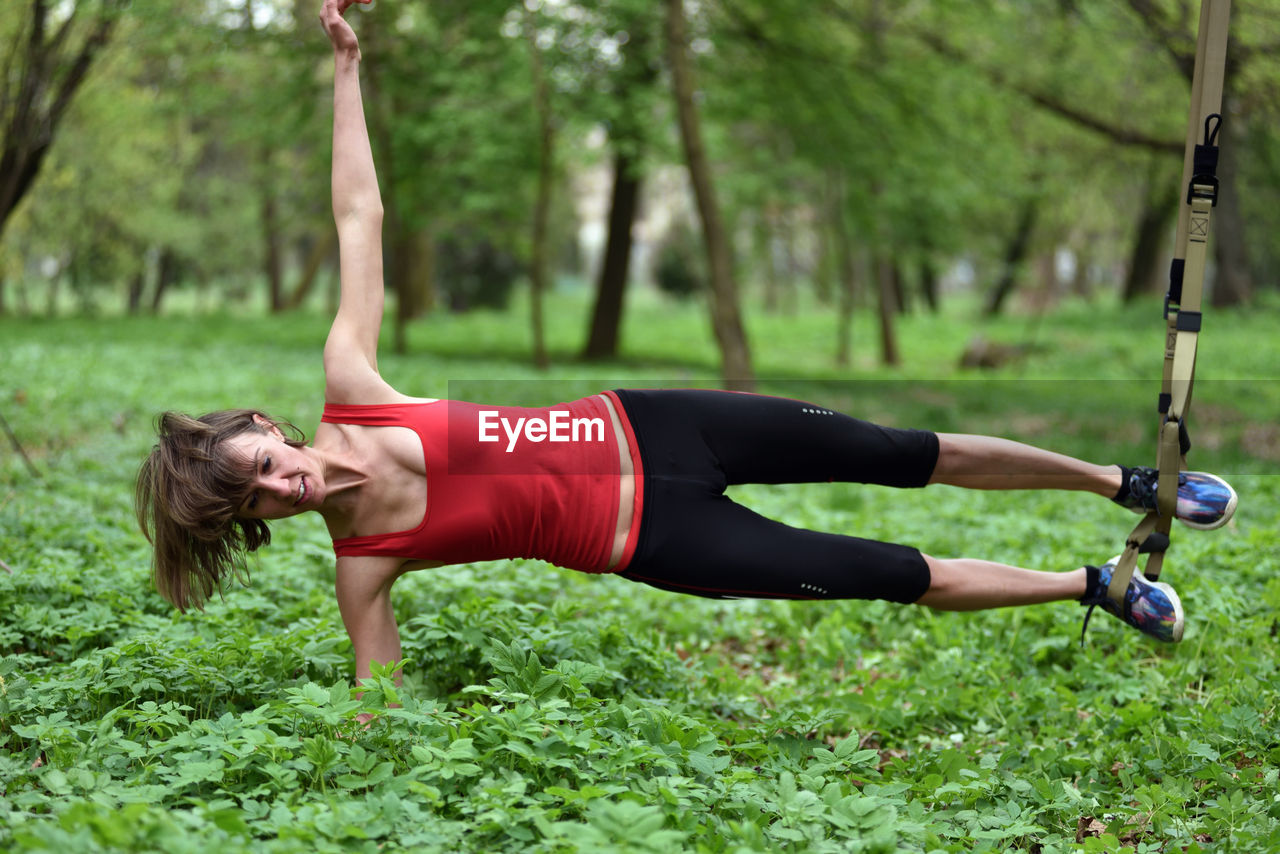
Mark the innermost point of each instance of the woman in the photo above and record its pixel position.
(625, 482)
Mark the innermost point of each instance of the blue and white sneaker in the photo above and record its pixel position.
(1152, 608)
(1205, 501)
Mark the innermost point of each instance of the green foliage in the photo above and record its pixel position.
(545, 710)
(201, 135)
(475, 273)
(680, 269)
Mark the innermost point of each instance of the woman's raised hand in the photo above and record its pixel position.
(335, 26)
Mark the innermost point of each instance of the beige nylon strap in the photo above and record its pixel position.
(1190, 247)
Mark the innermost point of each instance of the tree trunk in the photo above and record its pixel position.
(844, 313)
(410, 266)
(379, 109)
(789, 296)
(606, 317)
(320, 250)
(766, 240)
(847, 277)
(409, 271)
(1159, 208)
(137, 285)
(542, 204)
(628, 131)
(887, 304)
(37, 92)
(166, 274)
(52, 294)
(1046, 291)
(423, 267)
(726, 319)
(929, 284)
(901, 296)
(1081, 283)
(22, 296)
(4, 282)
(1015, 256)
(273, 266)
(396, 275)
(1233, 281)
(778, 239)
(826, 269)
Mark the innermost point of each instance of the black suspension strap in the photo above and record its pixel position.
(1183, 301)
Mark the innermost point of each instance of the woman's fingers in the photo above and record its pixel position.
(336, 8)
(336, 27)
(344, 5)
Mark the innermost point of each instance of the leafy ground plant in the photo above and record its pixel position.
(547, 711)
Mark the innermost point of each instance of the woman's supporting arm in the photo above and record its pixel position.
(363, 590)
(350, 354)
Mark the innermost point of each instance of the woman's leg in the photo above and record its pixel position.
(696, 541)
(968, 584)
(730, 438)
(985, 462)
(744, 438)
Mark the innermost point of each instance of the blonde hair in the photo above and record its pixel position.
(187, 496)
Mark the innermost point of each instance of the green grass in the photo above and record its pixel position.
(546, 710)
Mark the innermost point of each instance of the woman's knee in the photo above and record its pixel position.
(941, 581)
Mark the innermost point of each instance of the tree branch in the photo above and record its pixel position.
(1111, 130)
(60, 37)
(6, 77)
(1123, 136)
(96, 41)
(1166, 34)
(30, 117)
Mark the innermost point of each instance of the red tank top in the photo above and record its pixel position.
(508, 481)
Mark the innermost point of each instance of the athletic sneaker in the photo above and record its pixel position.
(1205, 501)
(1151, 607)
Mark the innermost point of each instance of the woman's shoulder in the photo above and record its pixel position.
(347, 409)
(377, 400)
(375, 392)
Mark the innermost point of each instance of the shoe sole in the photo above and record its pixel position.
(1178, 623)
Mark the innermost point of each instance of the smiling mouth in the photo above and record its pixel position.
(302, 490)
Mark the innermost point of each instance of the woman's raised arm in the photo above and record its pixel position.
(351, 352)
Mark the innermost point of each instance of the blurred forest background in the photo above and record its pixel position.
(866, 155)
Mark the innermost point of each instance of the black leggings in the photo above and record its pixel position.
(695, 539)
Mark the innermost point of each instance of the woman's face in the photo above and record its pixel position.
(286, 480)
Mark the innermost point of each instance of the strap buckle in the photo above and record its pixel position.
(1204, 186)
(1204, 170)
(1173, 296)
